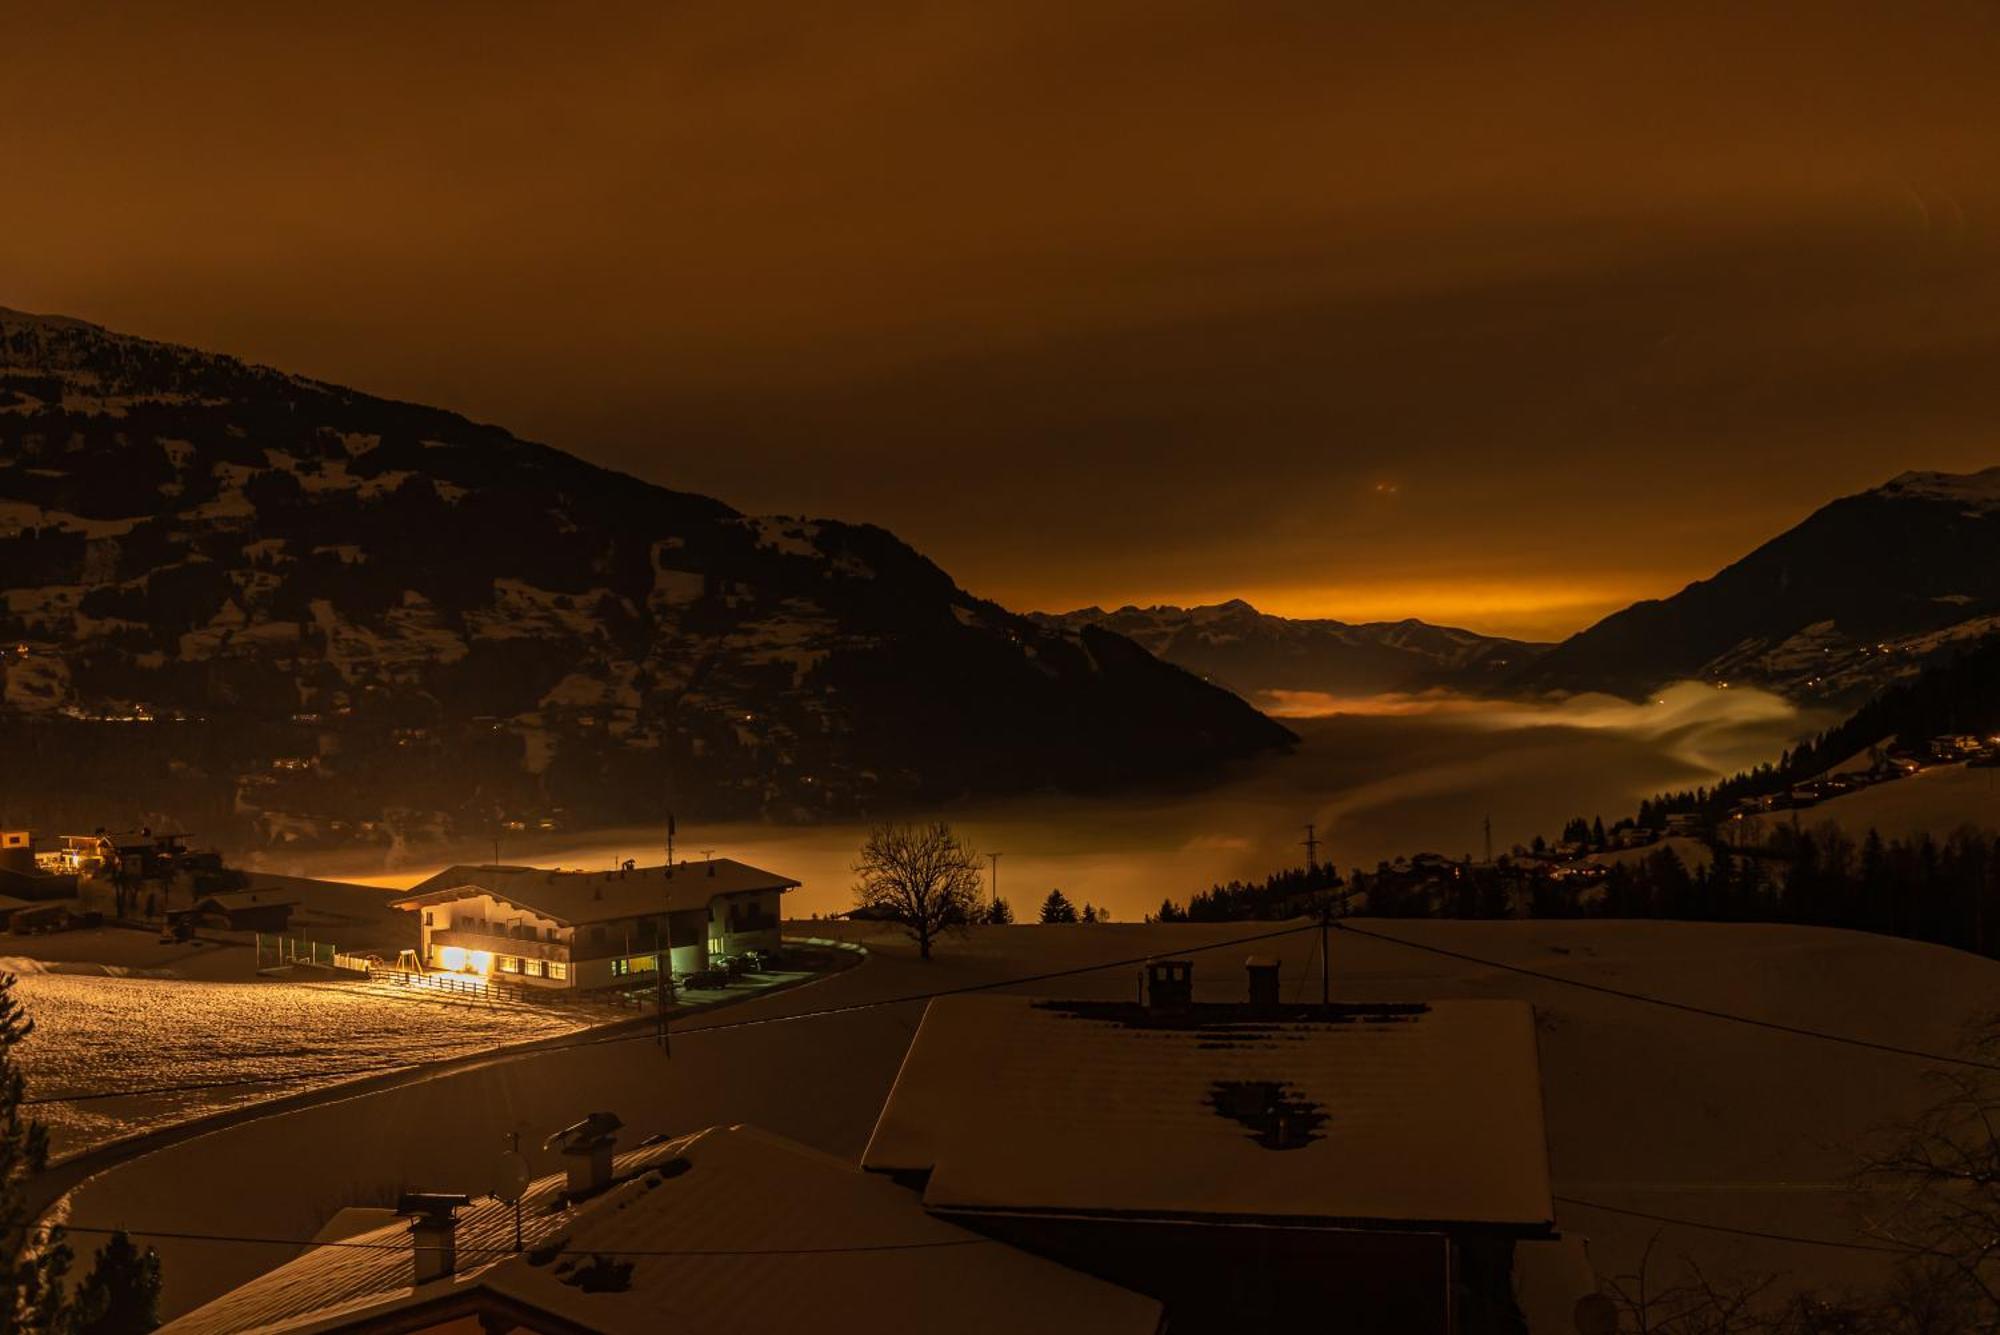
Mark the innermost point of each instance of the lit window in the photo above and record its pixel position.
(427, 919)
(558, 969)
(510, 964)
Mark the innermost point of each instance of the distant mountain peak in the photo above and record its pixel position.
(1858, 594)
(1257, 653)
(1981, 488)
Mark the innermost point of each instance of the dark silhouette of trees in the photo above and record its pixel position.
(121, 1294)
(1057, 908)
(32, 1261)
(1285, 894)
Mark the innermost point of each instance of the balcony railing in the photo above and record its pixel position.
(519, 946)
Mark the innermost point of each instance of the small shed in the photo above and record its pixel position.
(246, 910)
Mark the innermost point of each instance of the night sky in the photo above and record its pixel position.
(1495, 314)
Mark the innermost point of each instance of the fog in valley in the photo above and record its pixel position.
(1379, 778)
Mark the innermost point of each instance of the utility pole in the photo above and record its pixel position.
(1325, 964)
(1311, 842)
(670, 843)
(663, 981)
(993, 882)
(1489, 837)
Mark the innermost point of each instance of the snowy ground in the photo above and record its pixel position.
(1937, 800)
(1649, 1109)
(99, 1035)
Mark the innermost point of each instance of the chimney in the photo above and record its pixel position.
(1263, 971)
(586, 1151)
(433, 1226)
(1169, 986)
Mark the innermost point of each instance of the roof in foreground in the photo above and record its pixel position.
(1387, 1116)
(598, 896)
(728, 1230)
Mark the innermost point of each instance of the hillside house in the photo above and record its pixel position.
(24, 875)
(590, 929)
(1253, 1165)
(730, 1231)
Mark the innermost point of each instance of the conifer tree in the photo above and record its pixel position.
(121, 1294)
(32, 1261)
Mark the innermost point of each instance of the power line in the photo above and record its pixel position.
(242, 1240)
(1763, 1234)
(304, 1078)
(1766, 1235)
(1776, 1026)
(234, 1082)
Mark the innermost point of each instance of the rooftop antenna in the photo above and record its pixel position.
(1489, 837)
(1311, 842)
(670, 843)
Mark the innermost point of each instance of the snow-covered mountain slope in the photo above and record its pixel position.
(1858, 595)
(241, 597)
(1254, 653)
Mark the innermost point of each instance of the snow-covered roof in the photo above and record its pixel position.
(597, 896)
(1398, 1115)
(764, 1235)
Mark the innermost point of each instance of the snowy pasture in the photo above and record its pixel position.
(114, 1037)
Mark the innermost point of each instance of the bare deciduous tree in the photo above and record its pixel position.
(1936, 1192)
(1693, 1304)
(922, 875)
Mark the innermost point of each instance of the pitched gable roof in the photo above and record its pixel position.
(729, 1230)
(1370, 1116)
(573, 897)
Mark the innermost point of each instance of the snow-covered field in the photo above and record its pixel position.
(99, 1035)
(1936, 800)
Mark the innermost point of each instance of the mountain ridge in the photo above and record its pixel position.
(369, 619)
(1856, 596)
(1257, 653)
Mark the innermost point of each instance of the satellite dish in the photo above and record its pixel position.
(510, 1176)
(1595, 1314)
